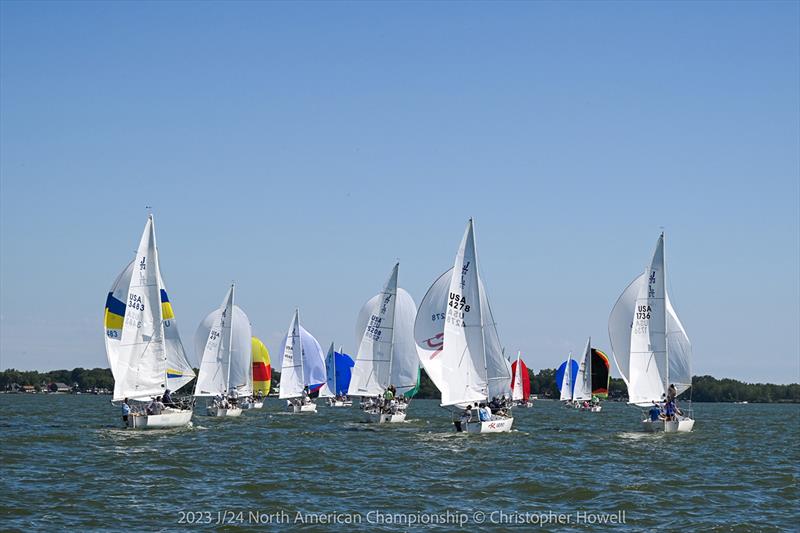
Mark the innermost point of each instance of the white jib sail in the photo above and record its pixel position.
(330, 366)
(679, 350)
(566, 383)
(179, 369)
(583, 381)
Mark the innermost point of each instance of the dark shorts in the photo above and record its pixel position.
(124, 418)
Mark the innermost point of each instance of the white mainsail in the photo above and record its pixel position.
(516, 389)
(566, 383)
(456, 336)
(583, 381)
(224, 340)
(148, 356)
(384, 333)
(650, 346)
(303, 361)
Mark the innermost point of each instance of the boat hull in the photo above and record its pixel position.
(305, 408)
(219, 411)
(340, 403)
(681, 425)
(501, 425)
(384, 418)
(252, 405)
(170, 418)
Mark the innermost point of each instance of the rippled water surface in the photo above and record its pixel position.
(67, 463)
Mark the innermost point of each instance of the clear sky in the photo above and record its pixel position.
(301, 148)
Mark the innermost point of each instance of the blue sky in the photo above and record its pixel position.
(300, 148)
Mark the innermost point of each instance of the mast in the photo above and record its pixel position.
(391, 344)
(666, 320)
(300, 340)
(334, 367)
(230, 341)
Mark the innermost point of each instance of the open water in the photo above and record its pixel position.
(68, 464)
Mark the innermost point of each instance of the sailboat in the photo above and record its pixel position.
(520, 383)
(650, 346)
(303, 366)
(565, 376)
(458, 344)
(143, 345)
(339, 369)
(262, 375)
(386, 358)
(582, 393)
(224, 339)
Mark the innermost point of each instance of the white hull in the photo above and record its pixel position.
(501, 425)
(681, 425)
(384, 418)
(339, 403)
(305, 408)
(592, 409)
(219, 411)
(169, 418)
(252, 405)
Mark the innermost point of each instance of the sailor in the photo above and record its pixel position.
(166, 399)
(669, 410)
(466, 416)
(672, 393)
(233, 396)
(484, 413)
(654, 413)
(126, 410)
(155, 406)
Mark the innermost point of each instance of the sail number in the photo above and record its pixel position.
(643, 312)
(373, 328)
(458, 302)
(135, 302)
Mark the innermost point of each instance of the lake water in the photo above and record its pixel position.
(67, 463)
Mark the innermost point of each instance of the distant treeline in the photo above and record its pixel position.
(543, 384)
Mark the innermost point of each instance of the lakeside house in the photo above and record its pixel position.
(59, 388)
